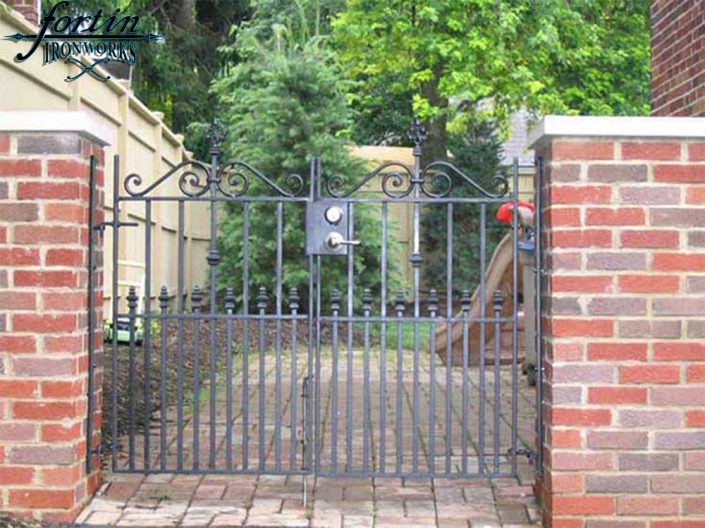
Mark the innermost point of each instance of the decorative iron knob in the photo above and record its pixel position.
(334, 215)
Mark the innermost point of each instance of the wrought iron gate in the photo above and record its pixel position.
(331, 377)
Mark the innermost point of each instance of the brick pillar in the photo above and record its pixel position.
(44, 186)
(28, 8)
(624, 321)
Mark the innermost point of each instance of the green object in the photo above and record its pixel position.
(123, 332)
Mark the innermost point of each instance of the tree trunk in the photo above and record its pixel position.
(184, 15)
(435, 149)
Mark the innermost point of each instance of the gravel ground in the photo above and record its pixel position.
(7, 521)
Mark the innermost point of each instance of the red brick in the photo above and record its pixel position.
(581, 283)
(679, 262)
(69, 168)
(679, 173)
(57, 411)
(678, 524)
(50, 191)
(59, 476)
(695, 195)
(655, 419)
(65, 257)
(615, 216)
(20, 167)
(621, 261)
(694, 461)
(582, 327)
(61, 433)
(621, 440)
(678, 483)
(683, 351)
(651, 150)
(15, 344)
(18, 300)
(695, 373)
(695, 419)
(617, 306)
(45, 279)
(563, 217)
(582, 505)
(570, 194)
(64, 344)
(566, 351)
(66, 212)
(612, 173)
(573, 416)
(14, 475)
(14, 388)
(581, 238)
(17, 256)
(652, 505)
(650, 239)
(567, 483)
(694, 505)
(617, 395)
(19, 212)
(18, 432)
(41, 498)
(581, 461)
(696, 152)
(61, 389)
(45, 366)
(43, 234)
(617, 351)
(565, 438)
(582, 150)
(649, 374)
(649, 283)
(4, 144)
(65, 302)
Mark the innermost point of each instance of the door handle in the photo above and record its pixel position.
(335, 240)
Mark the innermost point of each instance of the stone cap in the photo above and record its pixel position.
(613, 126)
(81, 123)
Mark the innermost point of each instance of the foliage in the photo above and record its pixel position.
(283, 103)
(476, 151)
(583, 57)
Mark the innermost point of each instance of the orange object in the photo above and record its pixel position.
(504, 213)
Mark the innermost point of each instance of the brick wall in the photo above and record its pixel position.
(677, 58)
(43, 323)
(28, 8)
(624, 323)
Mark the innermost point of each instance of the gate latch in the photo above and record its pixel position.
(327, 229)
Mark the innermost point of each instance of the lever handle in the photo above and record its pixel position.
(335, 240)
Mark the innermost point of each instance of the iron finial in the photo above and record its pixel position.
(132, 298)
(196, 297)
(497, 300)
(367, 300)
(418, 133)
(433, 301)
(335, 300)
(262, 298)
(400, 301)
(163, 298)
(294, 299)
(229, 300)
(216, 134)
(465, 300)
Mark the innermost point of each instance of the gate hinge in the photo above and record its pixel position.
(529, 453)
(103, 225)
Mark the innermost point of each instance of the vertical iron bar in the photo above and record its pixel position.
(315, 279)
(317, 397)
(449, 338)
(229, 310)
(114, 300)
(245, 335)
(180, 343)
(497, 357)
(537, 316)
(307, 428)
(278, 343)
(294, 307)
(213, 258)
(132, 307)
(433, 309)
(196, 298)
(482, 348)
(367, 307)
(146, 327)
(416, 264)
(399, 305)
(91, 314)
(465, 303)
(163, 305)
(348, 387)
(383, 346)
(262, 306)
(335, 306)
(515, 312)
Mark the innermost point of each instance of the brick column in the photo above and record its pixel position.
(624, 321)
(44, 189)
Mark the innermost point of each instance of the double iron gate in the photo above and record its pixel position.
(328, 377)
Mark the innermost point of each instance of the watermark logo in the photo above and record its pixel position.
(85, 41)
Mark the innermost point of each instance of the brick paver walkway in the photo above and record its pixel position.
(266, 500)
